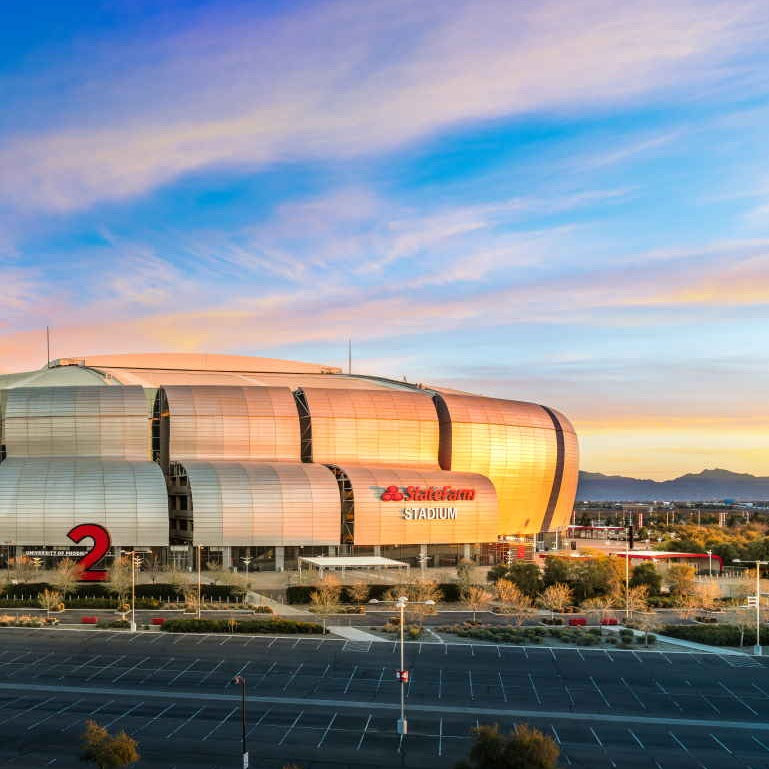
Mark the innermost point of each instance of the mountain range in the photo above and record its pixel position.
(709, 485)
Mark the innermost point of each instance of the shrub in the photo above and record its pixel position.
(274, 625)
(113, 623)
(715, 635)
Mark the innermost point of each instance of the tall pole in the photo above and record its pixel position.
(199, 591)
(402, 724)
(757, 650)
(133, 591)
(627, 584)
(243, 749)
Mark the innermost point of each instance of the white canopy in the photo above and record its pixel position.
(352, 562)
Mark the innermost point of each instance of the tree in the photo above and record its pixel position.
(514, 601)
(555, 598)
(477, 599)
(646, 574)
(523, 748)
(49, 600)
(21, 568)
(325, 597)
(601, 604)
(66, 575)
(522, 573)
(637, 599)
(358, 592)
(557, 570)
(706, 595)
(120, 577)
(464, 574)
(106, 751)
(680, 579)
(648, 621)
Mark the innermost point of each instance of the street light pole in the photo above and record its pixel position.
(244, 752)
(757, 648)
(627, 584)
(135, 561)
(710, 562)
(402, 724)
(199, 590)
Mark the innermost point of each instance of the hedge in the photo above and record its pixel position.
(164, 591)
(299, 594)
(715, 635)
(276, 625)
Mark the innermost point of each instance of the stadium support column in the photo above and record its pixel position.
(466, 551)
(227, 557)
(377, 550)
(280, 558)
(332, 550)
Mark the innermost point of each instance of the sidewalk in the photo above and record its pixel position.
(283, 609)
(354, 634)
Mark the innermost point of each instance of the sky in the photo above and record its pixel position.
(564, 201)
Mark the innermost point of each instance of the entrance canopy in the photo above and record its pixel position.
(322, 562)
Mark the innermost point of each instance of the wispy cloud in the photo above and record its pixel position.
(344, 79)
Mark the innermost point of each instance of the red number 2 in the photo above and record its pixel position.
(100, 547)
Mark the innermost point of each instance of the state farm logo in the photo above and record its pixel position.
(392, 494)
(426, 494)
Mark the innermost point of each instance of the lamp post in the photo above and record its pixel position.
(135, 562)
(199, 590)
(710, 562)
(627, 584)
(244, 752)
(246, 559)
(759, 564)
(403, 674)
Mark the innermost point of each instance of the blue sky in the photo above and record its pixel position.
(565, 202)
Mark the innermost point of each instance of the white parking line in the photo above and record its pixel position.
(440, 738)
(212, 671)
(581, 656)
(267, 672)
(349, 680)
(739, 699)
(90, 715)
(52, 715)
(126, 672)
(105, 667)
(34, 662)
(17, 657)
(635, 737)
(598, 689)
(712, 704)
(713, 736)
(758, 742)
(294, 674)
(501, 686)
(326, 731)
(363, 736)
(381, 678)
(27, 710)
(79, 667)
(534, 689)
(291, 728)
(223, 721)
(634, 695)
(555, 734)
(259, 721)
(181, 673)
(597, 738)
(758, 688)
(552, 654)
(679, 741)
(157, 638)
(154, 718)
(123, 715)
(241, 671)
(184, 723)
(667, 694)
(155, 671)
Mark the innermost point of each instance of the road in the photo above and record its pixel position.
(329, 703)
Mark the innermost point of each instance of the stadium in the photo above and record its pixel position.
(271, 460)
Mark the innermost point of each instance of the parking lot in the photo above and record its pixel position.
(324, 703)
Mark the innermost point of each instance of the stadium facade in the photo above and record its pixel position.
(272, 459)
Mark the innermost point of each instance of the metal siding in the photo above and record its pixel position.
(41, 499)
(220, 422)
(373, 427)
(382, 523)
(77, 422)
(262, 504)
(514, 444)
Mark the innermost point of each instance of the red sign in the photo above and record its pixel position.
(426, 494)
(100, 548)
(402, 676)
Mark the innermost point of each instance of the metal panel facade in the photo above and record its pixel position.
(42, 499)
(256, 503)
(373, 427)
(219, 422)
(77, 422)
(514, 444)
(394, 521)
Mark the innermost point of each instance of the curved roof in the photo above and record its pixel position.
(263, 503)
(41, 499)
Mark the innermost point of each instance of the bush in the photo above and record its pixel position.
(113, 623)
(715, 635)
(274, 625)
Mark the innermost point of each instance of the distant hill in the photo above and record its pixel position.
(709, 485)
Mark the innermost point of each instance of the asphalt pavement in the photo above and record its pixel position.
(324, 703)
